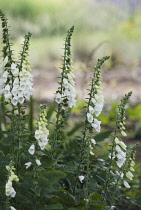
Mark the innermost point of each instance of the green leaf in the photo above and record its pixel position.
(102, 136)
(55, 206)
(66, 198)
(74, 129)
(54, 176)
(96, 201)
(51, 110)
(47, 161)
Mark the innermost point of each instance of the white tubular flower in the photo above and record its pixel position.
(121, 143)
(20, 89)
(98, 109)
(67, 89)
(12, 208)
(7, 96)
(81, 178)
(12, 192)
(58, 98)
(129, 175)
(28, 164)
(126, 184)
(14, 100)
(4, 77)
(91, 110)
(3, 62)
(38, 162)
(93, 141)
(9, 190)
(31, 150)
(13, 177)
(120, 162)
(120, 153)
(90, 117)
(96, 125)
(121, 156)
(113, 156)
(117, 140)
(120, 174)
(15, 70)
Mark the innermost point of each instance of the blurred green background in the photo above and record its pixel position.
(102, 27)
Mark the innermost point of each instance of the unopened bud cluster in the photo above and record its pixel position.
(9, 190)
(96, 100)
(129, 169)
(120, 152)
(121, 114)
(41, 135)
(66, 92)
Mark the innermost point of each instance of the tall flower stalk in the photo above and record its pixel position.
(93, 110)
(16, 87)
(65, 95)
(36, 151)
(118, 152)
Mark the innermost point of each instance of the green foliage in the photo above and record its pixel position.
(61, 172)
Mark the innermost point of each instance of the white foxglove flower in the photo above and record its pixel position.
(117, 140)
(5, 61)
(98, 109)
(31, 150)
(13, 177)
(38, 134)
(121, 143)
(14, 100)
(4, 76)
(21, 99)
(42, 133)
(93, 141)
(38, 162)
(71, 103)
(15, 70)
(16, 81)
(96, 124)
(120, 162)
(81, 178)
(58, 98)
(43, 143)
(91, 110)
(129, 175)
(7, 96)
(90, 117)
(28, 164)
(12, 192)
(113, 156)
(126, 184)
(7, 167)
(120, 174)
(65, 81)
(8, 188)
(12, 208)
(93, 101)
